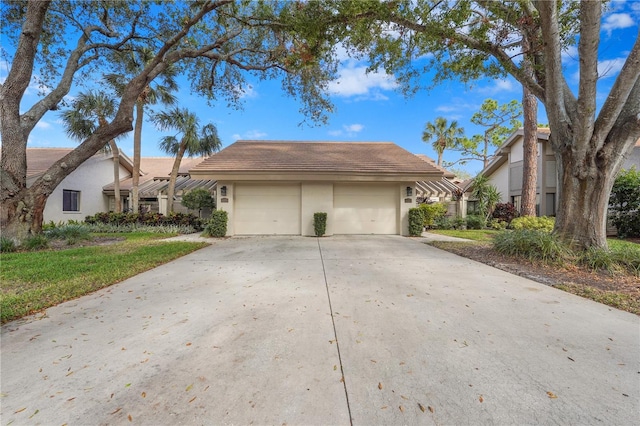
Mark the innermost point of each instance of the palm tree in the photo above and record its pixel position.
(486, 194)
(445, 135)
(90, 110)
(194, 141)
(133, 62)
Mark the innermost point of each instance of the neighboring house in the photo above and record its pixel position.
(506, 170)
(89, 189)
(154, 181)
(275, 187)
(444, 190)
(79, 194)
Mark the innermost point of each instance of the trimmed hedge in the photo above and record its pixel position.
(217, 225)
(543, 223)
(147, 219)
(416, 221)
(320, 223)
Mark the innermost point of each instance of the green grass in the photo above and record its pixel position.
(32, 281)
(482, 235)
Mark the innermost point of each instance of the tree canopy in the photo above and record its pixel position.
(216, 44)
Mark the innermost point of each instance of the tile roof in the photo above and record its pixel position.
(431, 161)
(298, 156)
(40, 159)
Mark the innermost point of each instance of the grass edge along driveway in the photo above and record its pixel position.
(33, 281)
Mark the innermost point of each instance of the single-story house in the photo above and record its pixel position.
(275, 187)
(90, 188)
(505, 171)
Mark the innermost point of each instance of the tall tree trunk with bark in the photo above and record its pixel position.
(116, 175)
(173, 177)
(137, 143)
(530, 143)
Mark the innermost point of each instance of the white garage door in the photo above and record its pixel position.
(364, 209)
(267, 209)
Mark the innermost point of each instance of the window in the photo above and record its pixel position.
(70, 200)
(516, 200)
(550, 204)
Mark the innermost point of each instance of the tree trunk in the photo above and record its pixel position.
(439, 158)
(137, 143)
(116, 175)
(174, 176)
(530, 146)
(583, 203)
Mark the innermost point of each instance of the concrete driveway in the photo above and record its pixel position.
(292, 330)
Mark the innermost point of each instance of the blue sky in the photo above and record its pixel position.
(367, 108)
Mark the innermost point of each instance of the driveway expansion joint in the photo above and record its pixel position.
(335, 334)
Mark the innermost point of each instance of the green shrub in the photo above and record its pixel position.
(432, 212)
(543, 223)
(533, 245)
(416, 220)
(72, 233)
(320, 223)
(7, 245)
(497, 224)
(146, 219)
(217, 225)
(599, 259)
(198, 199)
(475, 222)
(624, 202)
(35, 242)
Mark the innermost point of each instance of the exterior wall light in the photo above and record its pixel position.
(223, 191)
(409, 191)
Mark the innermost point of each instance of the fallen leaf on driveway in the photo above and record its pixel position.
(421, 407)
(189, 387)
(116, 411)
(481, 399)
(380, 386)
(20, 410)
(551, 395)
(430, 409)
(130, 418)
(401, 408)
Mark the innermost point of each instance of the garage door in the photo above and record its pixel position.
(267, 209)
(364, 209)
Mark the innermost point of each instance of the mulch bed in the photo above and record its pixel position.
(545, 274)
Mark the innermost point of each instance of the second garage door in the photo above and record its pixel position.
(267, 209)
(364, 209)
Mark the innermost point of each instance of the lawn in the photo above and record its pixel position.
(33, 281)
(481, 235)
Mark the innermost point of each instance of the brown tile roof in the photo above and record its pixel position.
(431, 161)
(334, 157)
(40, 159)
(156, 167)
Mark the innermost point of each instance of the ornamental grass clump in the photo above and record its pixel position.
(533, 245)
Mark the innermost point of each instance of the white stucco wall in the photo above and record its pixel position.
(516, 153)
(316, 197)
(500, 178)
(88, 178)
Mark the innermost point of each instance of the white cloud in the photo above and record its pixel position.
(499, 86)
(249, 134)
(610, 67)
(355, 81)
(617, 21)
(348, 130)
(43, 125)
(246, 92)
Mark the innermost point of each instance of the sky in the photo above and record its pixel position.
(367, 106)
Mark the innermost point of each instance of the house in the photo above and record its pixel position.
(506, 170)
(80, 193)
(90, 188)
(275, 187)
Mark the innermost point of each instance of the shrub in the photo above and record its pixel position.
(443, 223)
(475, 222)
(624, 202)
(497, 224)
(505, 212)
(543, 223)
(198, 199)
(7, 245)
(599, 259)
(320, 223)
(416, 220)
(533, 245)
(217, 225)
(432, 212)
(71, 233)
(35, 242)
(147, 219)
